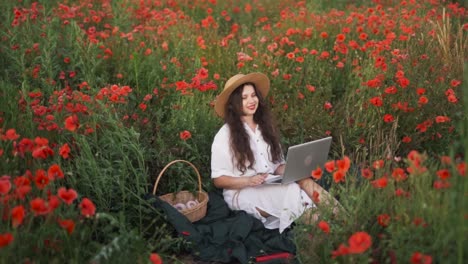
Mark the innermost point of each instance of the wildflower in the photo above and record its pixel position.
(64, 151)
(67, 196)
(184, 135)
(317, 173)
(343, 164)
(39, 206)
(327, 105)
(330, 166)
(17, 215)
(54, 172)
(10, 134)
(5, 185)
(359, 242)
(67, 224)
(438, 184)
(419, 258)
(399, 174)
(388, 118)
(72, 123)
(41, 179)
(342, 250)
(380, 183)
(5, 239)
(316, 197)
(378, 164)
(443, 174)
(383, 220)
(155, 259)
(324, 226)
(461, 167)
(339, 176)
(87, 207)
(406, 139)
(367, 173)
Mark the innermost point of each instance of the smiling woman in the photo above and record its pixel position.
(252, 154)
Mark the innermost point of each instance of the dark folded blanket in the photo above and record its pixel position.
(226, 236)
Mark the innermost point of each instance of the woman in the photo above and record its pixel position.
(247, 149)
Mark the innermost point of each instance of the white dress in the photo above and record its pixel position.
(285, 203)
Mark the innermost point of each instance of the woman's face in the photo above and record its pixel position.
(249, 100)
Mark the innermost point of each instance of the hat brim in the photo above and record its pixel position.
(260, 80)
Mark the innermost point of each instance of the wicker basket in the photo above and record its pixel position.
(194, 213)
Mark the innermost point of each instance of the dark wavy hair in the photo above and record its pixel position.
(239, 142)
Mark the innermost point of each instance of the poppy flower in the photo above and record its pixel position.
(367, 173)
(339, 176)
(343, 164)
(155, 259)
(461, 167)
(341, 251)
(10, 134)
(5, 186)
(5, 239)
(64, 151)
(54, 172)
(359, 242)
(383, 220)
(87, 207)
(41, 179)
(399, 174)
(324, 226)
(17, 215)
(39, 206)
(317, 173)
(388, 118)
(380, 183)
(420, 258)
(330, 166)
(67, 196)
(443, 174)
(184, 135)
(67, 224)
(72, 123)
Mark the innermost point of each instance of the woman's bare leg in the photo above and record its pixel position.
(310, 186)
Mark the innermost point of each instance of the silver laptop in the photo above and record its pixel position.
(301, 160)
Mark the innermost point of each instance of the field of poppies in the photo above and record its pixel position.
(97, 96)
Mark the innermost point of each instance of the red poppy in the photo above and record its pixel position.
(67, 196)
(383, 220)
(41, 179)
(10, 134)
(54, 172)
(5, 239)
(324, 226)
(443, 174)
(17, 215)
(367, 173)
(67, 224)
(388, 118)
(380, 183)
(317, 173)
(420, 258)
(330, 166)
(39, 206)
(359, 242)
(155, 259)
(339, 176)
(377, 101)
(184, 135)
(342, 250)
(87, 207)
(378, 164)
(72, 123)
(461, 167)
(53, 203)
(399, 174)
(406, 139)
(5, 185)
(442, 119)
(343, 164)
(438, 184)
(64, 151)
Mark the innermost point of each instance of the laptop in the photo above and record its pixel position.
(301, 160)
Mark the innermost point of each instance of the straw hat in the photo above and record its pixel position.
(260, 80)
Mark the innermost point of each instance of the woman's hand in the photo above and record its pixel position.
(257, 179)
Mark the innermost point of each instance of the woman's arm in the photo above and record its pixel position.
(280, 169)
(229, 182)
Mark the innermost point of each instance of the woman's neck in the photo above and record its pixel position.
(250, 122)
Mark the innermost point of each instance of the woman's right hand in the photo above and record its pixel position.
(257, 179)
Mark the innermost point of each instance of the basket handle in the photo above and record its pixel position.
(167, 166)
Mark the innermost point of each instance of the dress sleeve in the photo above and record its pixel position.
(221, 156)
